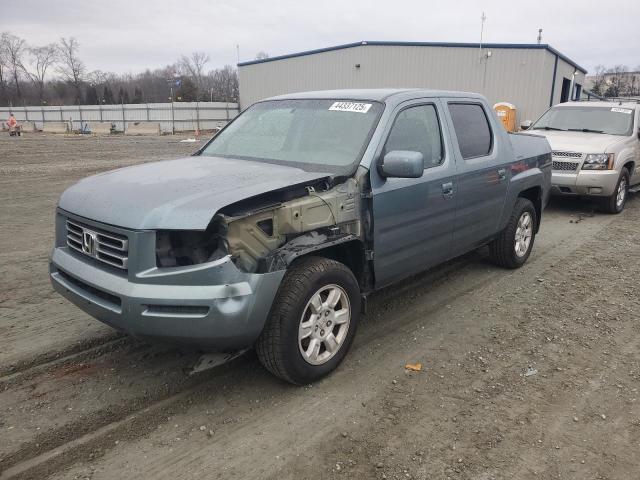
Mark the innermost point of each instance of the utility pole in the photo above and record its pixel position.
(238, 53)
(482, 20)
(173, 118)
(539, 36)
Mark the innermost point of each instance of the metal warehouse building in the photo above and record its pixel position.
(530, 76)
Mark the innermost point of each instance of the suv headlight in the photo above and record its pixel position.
(598, 161)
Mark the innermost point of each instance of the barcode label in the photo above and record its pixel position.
(350, 107)
(622, 110)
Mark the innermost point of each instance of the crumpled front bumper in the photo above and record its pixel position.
(600, 183)
(211, 305)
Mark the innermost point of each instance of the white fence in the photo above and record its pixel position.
(173, 117)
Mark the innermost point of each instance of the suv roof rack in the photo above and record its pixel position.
(619, 100)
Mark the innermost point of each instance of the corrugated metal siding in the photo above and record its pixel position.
(565, 70)
(518, 76)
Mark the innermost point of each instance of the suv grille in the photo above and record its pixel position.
(565, 166)
(567, 154)
(109, 248)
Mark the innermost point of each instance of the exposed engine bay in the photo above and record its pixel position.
(262, 233)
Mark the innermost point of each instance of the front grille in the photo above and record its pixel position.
(86, 288)
(567, 154)
(565, 166)
(107, 247)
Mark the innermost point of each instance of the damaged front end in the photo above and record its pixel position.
(267, 233)
(212, 287)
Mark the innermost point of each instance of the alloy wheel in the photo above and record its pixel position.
(324, 324)
(524, 232)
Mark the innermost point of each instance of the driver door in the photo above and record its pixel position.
(414, 217)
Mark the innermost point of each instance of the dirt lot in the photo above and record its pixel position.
(527, 374)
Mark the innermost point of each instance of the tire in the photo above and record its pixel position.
(281, 348)
(509, 251)
(615, 203)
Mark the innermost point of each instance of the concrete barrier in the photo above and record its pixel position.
(27, 127)
(99, 128)
(55, 127)
(143, 128)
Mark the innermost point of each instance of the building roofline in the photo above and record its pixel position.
(525, 46)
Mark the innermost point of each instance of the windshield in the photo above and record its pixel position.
(314, 135)
(609, 120)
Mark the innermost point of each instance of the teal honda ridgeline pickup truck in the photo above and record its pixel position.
(273, 233)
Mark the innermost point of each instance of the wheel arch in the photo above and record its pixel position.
(534, 194)
(351, 253)
(348, 250)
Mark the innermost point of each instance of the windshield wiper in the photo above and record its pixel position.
(549, 128)
(588, 130)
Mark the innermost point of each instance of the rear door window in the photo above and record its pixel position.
(472, 129)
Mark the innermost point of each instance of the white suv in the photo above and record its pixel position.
(596, 149)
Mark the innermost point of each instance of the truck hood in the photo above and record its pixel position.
(181, 194)
(583, 142)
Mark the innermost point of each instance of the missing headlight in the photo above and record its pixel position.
(178, 248)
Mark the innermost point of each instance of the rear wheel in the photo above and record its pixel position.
(514, 244)
(616, 202)
(312, 322)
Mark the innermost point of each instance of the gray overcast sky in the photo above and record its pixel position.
(131, 35)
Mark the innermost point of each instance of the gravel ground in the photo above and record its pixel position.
(526, 374)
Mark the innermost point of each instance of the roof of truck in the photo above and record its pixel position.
(374, 94)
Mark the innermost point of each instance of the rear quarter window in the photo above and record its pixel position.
(472, 129)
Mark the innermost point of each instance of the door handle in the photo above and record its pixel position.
(502, 173)
(447, 189)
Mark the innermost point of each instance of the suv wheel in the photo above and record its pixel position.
(513, 246)
(312, 322)
(616, 202)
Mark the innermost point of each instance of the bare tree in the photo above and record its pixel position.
(225, 83)
(193, 67)
(617, 81)
(70, 66)
(3, 70)
(598, 87)
(40, 60)
(262, 55)
(14, 48)
(97, 77)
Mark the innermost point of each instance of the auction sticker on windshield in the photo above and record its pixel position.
(622, 110)
(350, 107)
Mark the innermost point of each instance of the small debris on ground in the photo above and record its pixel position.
(414, 367)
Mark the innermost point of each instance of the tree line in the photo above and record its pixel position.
(55, 74)
(616, 81)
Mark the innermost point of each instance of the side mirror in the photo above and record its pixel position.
(402, 164)
(526, 125)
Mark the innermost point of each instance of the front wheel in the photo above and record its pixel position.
(313, 321)
(514, 244)
(616, 202)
